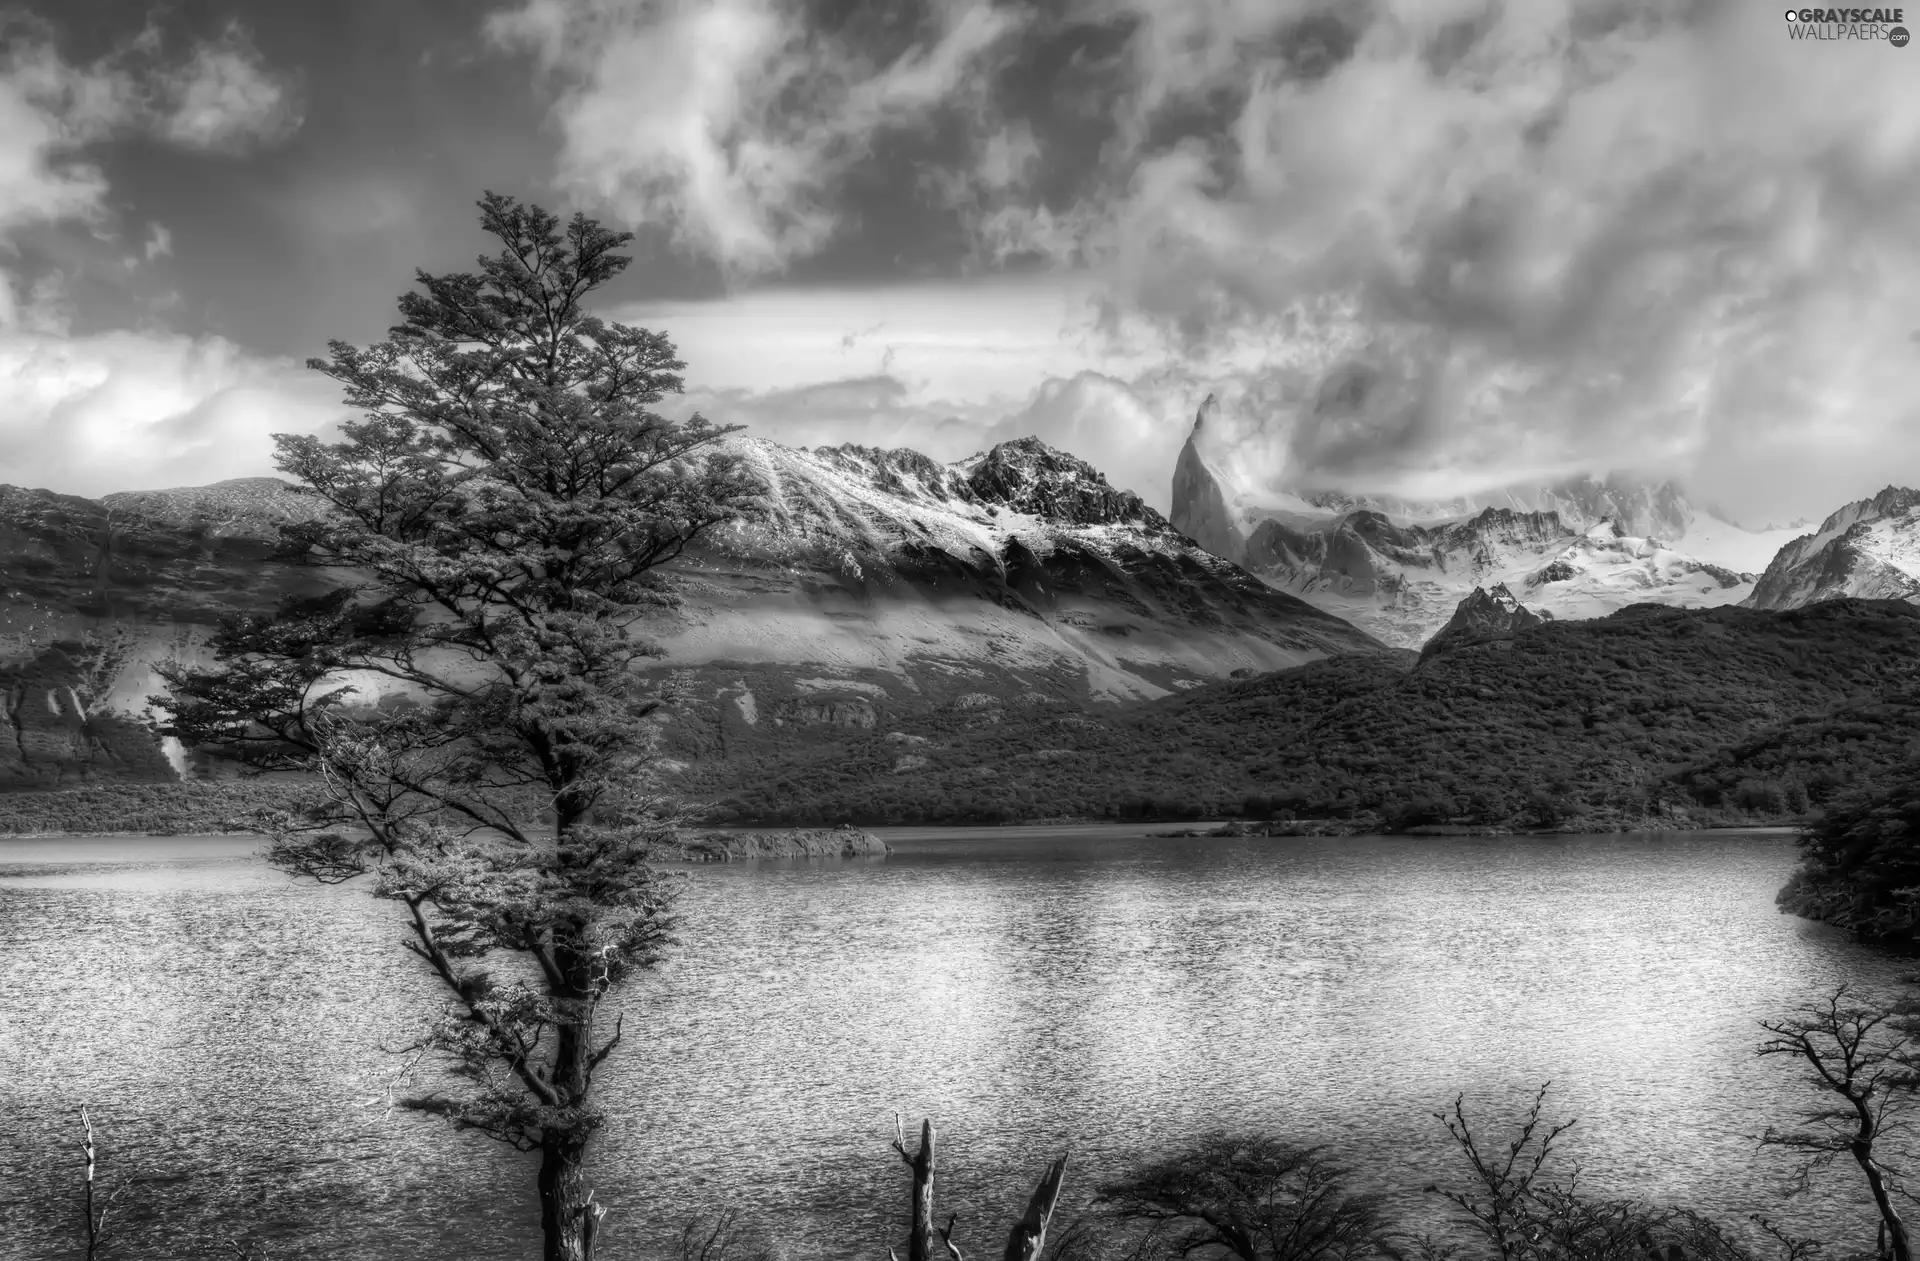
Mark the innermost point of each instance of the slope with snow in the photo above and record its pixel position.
(1019, 569)
(1869, 549)
(1581, 547)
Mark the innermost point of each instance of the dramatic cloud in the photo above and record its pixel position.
(1420, 246)
(732, 120)
(1412, 246)
(1490, 241)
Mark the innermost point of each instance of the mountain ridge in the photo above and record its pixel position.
(1578, 547)
(1017, 571)
(1868, 549)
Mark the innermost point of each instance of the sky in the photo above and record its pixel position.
(1414, 246)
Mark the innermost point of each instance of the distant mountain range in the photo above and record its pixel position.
(1019, 573)
(886, 596)
(1577, 548)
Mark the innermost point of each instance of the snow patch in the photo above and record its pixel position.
(748, 708)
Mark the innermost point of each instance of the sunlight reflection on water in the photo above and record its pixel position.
(1030, 990)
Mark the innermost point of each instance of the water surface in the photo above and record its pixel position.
(1031, 989)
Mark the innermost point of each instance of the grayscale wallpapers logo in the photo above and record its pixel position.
(1870, 24)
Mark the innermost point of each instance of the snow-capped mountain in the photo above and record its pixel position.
(1869, 549)
(1398, 568)
(1019, 567)
(877, 578)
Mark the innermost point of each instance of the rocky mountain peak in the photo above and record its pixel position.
(1029, 476)
(1200, 507)
(1486, 614)
(1894, 500)
(1869, 549)
(901, 471)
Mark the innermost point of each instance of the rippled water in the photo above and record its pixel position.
(1030, 989)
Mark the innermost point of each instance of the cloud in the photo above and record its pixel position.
(117, 410)
(874, 411)
(124, 410)
(1415, 246)
(225, 99)
(732, 121)
(159, 242)
(49, 110)
(1126, 428)
(985, 339)
(1490, 241)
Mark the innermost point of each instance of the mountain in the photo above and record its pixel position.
(1869, 549)
(1402, 583)
(1483, 617)
(877, 579)
(1576, 548)
(93, 592)
(1648, 717)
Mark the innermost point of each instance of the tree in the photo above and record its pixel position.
(1506, 1181)
(1525, 1217)
(1860, 866)
(1861, 1062)
(94, 1208)
(1252, 1198)
(504, 502)
(1027, 1239)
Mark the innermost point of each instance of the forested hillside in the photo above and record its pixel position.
(1652, 715)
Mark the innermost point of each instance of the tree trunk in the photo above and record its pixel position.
(1890, 1219)
(920, 1239)
(564, 1207)
(567, 1214)
(1029, 1235)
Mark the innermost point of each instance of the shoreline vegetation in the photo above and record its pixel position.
(229, 807)
(232, 808)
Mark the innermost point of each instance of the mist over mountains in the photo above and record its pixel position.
(1576, 547)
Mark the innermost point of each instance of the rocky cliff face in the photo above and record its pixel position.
(1028, 476)
(1869, 549)
(58, 734)
(1200, 507)
(877, 580)
(94, 592)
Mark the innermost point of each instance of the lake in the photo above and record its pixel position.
(1030, 989)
